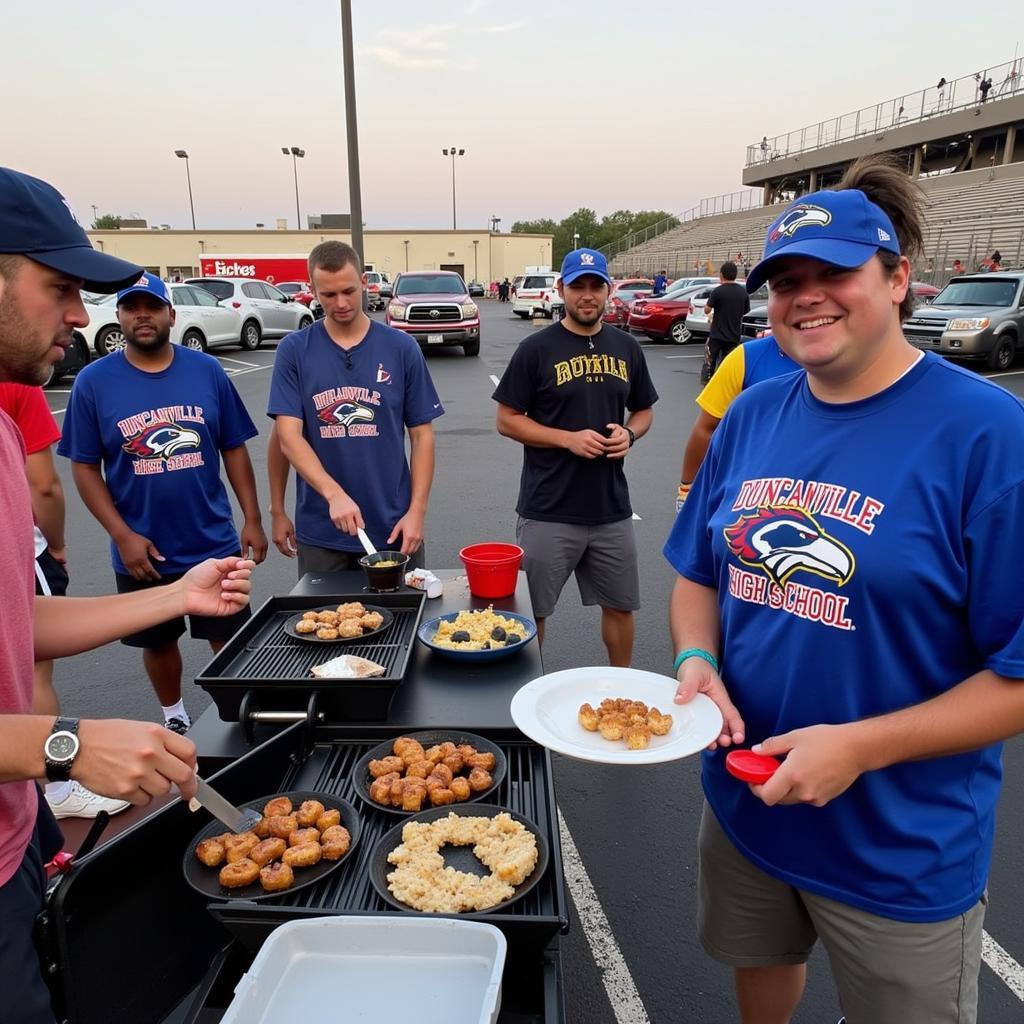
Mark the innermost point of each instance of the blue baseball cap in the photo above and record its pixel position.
(584, 261)
(843, 228)
(149, 284)
(37, 221)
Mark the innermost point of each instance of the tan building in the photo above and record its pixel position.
(477, 255)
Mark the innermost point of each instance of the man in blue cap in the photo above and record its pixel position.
(45, 259)
(146, 430)
(565, 396)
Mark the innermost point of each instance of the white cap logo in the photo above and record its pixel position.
(586, 259)
(884, 236)
(72, 212)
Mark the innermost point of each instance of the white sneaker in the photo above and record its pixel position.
(84, 803)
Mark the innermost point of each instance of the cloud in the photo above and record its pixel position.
(399, 59)
(513, 26)
(429, 37)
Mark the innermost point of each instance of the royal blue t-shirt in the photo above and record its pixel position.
(863, 556)
(763, 360)
(159, 437)
(354, 409)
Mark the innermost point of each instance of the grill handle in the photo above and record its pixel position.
(282, 716)
(251, 715)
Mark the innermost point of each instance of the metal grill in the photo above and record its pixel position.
(425, 314)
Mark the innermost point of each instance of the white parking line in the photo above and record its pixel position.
(618, 982)
(691, 355)
(57, 412)
(228, 359)
(494, 380)
(1008, 373)
(637, 518)
(1005, 967)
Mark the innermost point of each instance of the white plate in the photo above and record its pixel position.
(547, 710)
(435, 339)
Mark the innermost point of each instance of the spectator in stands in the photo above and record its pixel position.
(660, 281)
(984, 86)
(876, 831)
(996, 258)
(942, 90)
(764, 148)
(726, 307)
(958, 267)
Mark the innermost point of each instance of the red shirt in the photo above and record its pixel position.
(27, 406)
(18, 802)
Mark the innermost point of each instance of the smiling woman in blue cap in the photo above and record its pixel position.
(847, 597)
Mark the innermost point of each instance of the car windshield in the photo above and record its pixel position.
(538, 281)
(291, 287)
(977, 293)
(430, 284)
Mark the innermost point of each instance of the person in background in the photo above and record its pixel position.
(660, 281)
(958, 267)
(726, 307)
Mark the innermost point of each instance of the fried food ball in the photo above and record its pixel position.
(447, 749)
(238, 847)
(612, 726)
(335, 842)
(303, 856)
(283, 825)
(466, 750)
(441, 795)
(380, 792)
(268, 850)
(351, 610)
(454, 763)
(305, 626)
(372, 620)
(262, 828)
(443, 773)
(411, 752)
(414, 792)
(386, 765)
(309, 812)
(327, 618)
(658, 723)
(419, 769)
(328, 818)
(637, 737)
(279, 805)
(327, 633)
(486, 761)
(479, 780)
(461, 788)
(304, 835)
(348, 629)
(310, 616)
(589, 718)
(276, 877)
(434, 754)
(211, 852)
(239, 873)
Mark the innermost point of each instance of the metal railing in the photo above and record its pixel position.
(959, 94)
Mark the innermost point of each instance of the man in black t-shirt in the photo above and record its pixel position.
(726, 306)
(564, 397)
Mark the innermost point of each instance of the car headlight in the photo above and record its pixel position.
(469, 310)
(396, 311)
(974, 323)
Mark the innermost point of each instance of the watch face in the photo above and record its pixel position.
(62, 746)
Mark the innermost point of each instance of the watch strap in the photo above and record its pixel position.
(61, 724)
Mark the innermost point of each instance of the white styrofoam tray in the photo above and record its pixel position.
(427, 970)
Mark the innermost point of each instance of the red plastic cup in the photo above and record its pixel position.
(750, 767)
(492, 569)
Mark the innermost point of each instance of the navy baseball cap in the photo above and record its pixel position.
(584, 261)
(843, 228)
(148, 284)
(37, 221)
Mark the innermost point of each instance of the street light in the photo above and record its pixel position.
(495, 221)
(295, 152)
(476, 275)
(182, 155)
(453, 153)
(406, 244)
(575, 239)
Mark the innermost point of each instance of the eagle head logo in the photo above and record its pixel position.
(800, 216)
(161, 439)
(345, 413)
(784, 540)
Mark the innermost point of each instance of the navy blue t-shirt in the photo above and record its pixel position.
(354, 409)
(159, 437)
(863, 556)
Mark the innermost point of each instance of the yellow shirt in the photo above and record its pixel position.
(726, 383)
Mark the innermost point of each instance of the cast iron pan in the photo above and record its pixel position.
(205, 880)
(312, 638)
(461, 858)
(361, 777)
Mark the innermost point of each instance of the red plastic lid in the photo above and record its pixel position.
(751, 767)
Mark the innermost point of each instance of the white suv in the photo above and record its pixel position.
(537, 292)
(265, 310)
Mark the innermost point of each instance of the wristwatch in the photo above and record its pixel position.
(61, 749)
(632, 436)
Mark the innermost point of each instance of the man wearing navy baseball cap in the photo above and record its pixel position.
(565, 397)
(45, 258)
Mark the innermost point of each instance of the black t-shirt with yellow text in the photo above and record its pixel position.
(563, 380)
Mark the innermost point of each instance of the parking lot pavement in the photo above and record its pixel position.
(633, 829)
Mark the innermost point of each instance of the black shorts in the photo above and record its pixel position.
(201, 627)
(51, 576)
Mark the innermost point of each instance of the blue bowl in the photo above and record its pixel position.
(429, 628)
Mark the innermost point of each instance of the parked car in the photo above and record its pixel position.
(387, 289)
(374, 299)
(663, 317)
(924, 293)
(973, 317)
(476, 289)
(299, 291)
(435, 308)
(76, 355)
(265, 310)
(536, 294)
(621, 296)
(700, 324)
(200, 322)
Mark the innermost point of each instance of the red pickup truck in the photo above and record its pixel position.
(434, 306)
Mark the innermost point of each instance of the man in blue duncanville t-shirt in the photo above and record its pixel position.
(146, 429)
(344, 392)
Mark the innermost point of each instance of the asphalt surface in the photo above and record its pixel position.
(635, 828)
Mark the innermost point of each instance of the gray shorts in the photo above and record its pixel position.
(603, 558)
(886, 972)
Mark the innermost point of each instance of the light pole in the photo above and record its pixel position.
(295, 152)
(453, 153)
(575, 239)
(95, 214)
(182, 155)
(495, 221)
(476, 243)
(406, 244)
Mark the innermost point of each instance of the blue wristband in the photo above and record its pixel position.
(695, 652)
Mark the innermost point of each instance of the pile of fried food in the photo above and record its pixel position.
(413, 777)
(422, 881)
(346, 622)
(282, 841)
(618, 718)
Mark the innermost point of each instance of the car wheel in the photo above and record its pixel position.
(110, 339)
(1001, 356)
(305, 322)
(472, 348)
(520, 313)
(679, 333)
(194, 340)
(252, 336)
